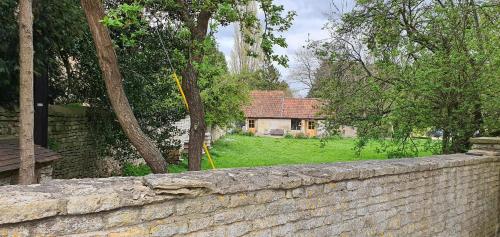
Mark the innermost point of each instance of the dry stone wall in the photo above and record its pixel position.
(69, 135)
(449, 195)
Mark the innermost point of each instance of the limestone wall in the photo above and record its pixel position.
(69, 135)
(450, 195)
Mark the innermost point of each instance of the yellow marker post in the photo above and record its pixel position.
(205, 147)
(209, 156)
(178, 82)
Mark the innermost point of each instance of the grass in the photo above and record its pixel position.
(245, 151)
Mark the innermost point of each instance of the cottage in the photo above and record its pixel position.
(272, 113)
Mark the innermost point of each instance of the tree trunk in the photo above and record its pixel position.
(108, 62)
(197, 115)
(445, 143)
(190, 87)
(26, 116)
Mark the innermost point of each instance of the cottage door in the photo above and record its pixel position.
(252, 127)
(311, 128)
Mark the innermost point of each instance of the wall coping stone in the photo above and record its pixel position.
(489, 146)
(485, 140)
(83, 196)
(61, 110)
(64, 110)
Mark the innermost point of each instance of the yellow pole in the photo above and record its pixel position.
(205, 147)
(178, 82)
(209, 156)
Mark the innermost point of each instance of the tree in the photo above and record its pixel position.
(304, 70)
(267, 78)
(60, 26)
(223, 94)
(26, 115)
(247, 55)
(191, 21)
(116, 94)
(412, 66)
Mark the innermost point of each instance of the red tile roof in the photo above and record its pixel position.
(274, 104)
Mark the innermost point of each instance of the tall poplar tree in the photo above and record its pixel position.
(247, 55)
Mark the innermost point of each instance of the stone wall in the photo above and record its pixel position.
(9, 122)
(43, 174)
(449, 195)
(69, 135)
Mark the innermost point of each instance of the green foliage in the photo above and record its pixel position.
(182, 18)
(288, 136)
(144, 77)
(247, 134)
(394, 69)
(264, 79)
(182, 167)
(127, 23)
(223, 101)
(63, 45)
(130, 169)
(53, 145)
(9, 68)
(58, 26)
(223, 94)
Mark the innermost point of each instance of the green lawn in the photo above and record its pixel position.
(245, 151)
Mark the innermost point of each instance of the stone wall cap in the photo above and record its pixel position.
(67, 110)
(485, 140)
(83, 196)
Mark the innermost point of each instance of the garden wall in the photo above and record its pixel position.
(69, 135)
(449, 195)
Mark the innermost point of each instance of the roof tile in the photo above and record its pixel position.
(274, 104)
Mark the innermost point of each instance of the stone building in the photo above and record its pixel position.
(272, 113)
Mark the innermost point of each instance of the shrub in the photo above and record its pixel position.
(130, 169)
(249, 134)
(289, 136)
(301, 136)
(236, 130)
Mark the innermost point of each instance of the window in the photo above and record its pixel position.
(296, 124)
(251, 123)
(311, 125)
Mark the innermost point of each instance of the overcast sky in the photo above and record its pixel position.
(311, 17)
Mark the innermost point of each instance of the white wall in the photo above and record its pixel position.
(212, 134)
(264, 126)
(183, 125)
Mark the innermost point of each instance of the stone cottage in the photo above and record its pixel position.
(272, 113)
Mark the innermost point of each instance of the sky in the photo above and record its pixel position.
(312, 15)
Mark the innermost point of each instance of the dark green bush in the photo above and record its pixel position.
(130, 169)
(289, 136)
(248, 134)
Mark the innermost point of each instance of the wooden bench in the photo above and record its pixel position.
(277, 132)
